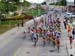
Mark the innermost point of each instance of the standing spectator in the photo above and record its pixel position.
(24, 34)
(29, 29)
(18, 25)
(64, 24)
(22, 24)
(70, 39)
(73, 33)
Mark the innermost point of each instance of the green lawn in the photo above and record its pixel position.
(35, 12)
(4, 28)
(11, 22)
(7, 25)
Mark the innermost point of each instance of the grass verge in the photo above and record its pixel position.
(7, 25)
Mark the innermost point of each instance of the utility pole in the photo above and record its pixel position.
(74, 2)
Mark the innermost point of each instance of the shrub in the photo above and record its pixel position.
(19, 17)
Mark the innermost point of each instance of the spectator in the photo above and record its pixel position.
(73, 33)
(70, 39)
(22, 23)
(64, 24)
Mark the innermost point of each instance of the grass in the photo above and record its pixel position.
(12, 22)
(4, 28)
(7, 25)
(35, 12)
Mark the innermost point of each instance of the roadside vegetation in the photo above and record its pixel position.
(8, 22)
(60, 3)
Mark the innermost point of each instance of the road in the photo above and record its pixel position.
(17, 46)
(13, 43)
(29, 50)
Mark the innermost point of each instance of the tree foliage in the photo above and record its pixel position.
(60, 3)
(6, 7)
(26, 4)
(63, 2)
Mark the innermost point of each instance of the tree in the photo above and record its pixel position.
(60, 3)
(64, 3)
(17, 1)
(5, 7)
(26, 4)
(14, 0)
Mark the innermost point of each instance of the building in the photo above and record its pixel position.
(70, 6)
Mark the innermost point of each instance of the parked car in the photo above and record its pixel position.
(73, 15)
(69, 15)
